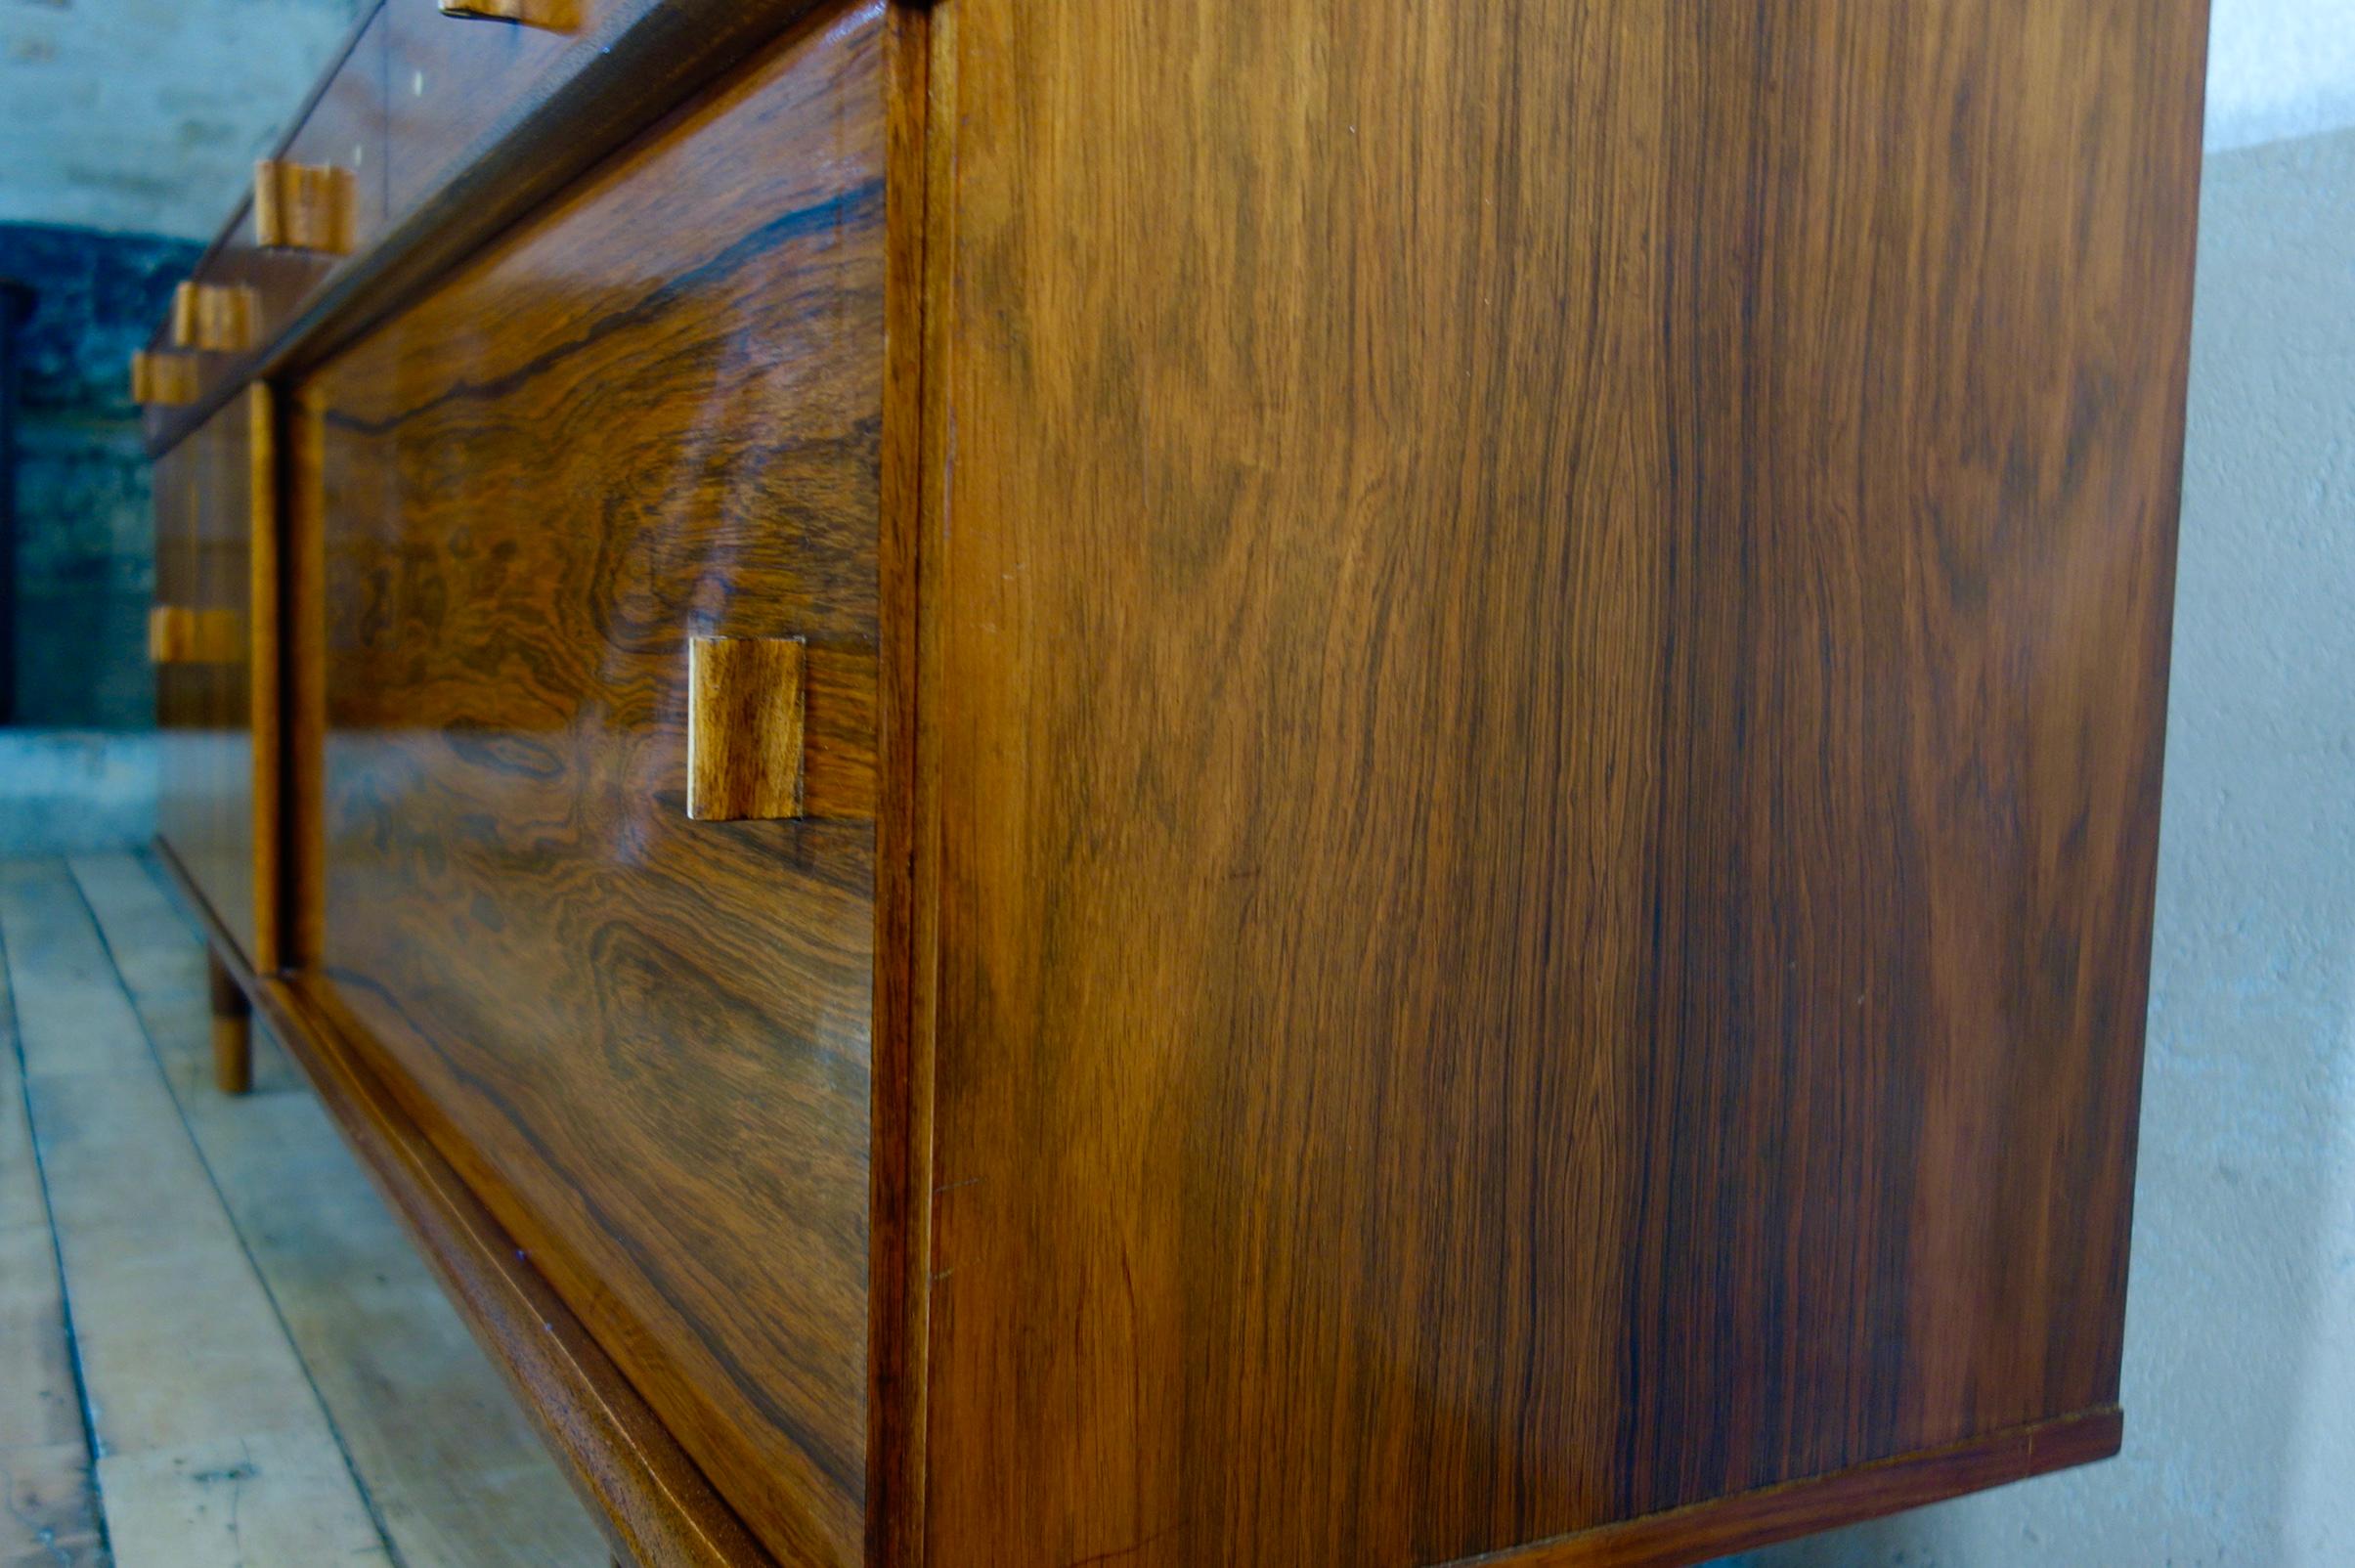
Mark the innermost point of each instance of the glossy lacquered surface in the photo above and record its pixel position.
(1550, 629)
(450, 79)
(345, 131)
(649, 413)
(342, 128)
(437, 132)
(1477, 773)
(171, 639)
(216, 692)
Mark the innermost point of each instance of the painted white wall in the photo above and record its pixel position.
(2279, 69)
(144, 116)
(63, 791)
(2240, 1370)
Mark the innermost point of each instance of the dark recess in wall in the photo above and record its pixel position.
(15, 300)
(82, 550)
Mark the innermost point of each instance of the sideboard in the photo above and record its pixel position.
(1191, 783)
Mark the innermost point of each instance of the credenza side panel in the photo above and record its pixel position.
(649, 413)
(1552, 644)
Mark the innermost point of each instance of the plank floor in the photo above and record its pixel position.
(216, 1345)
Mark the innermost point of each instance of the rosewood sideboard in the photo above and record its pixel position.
(1210, 783)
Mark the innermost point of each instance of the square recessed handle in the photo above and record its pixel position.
(171, 634)
(746, 698)
(164, 380)
(302, 206)
(217, 317)
(556, 15)
(180, 633)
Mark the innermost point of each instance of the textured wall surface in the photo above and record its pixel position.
(61, 792)
(2278, 69)
(2239, 1375)
(85, 533)
(127, 128)
(144, 116)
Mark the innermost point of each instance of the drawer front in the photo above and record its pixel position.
(648, 416)
(267, 287)
(451, 78)
(344, 131)
(217, 671)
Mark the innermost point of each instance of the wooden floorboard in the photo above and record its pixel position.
(217, 1346)
(48, 1503)
(212, 1447)
(454, 1470)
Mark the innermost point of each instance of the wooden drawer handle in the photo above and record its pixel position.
(218, 317)
(746, 701)
(779, 727)
(180, 634)
(171, 634)
(166, 380)
(556, 15)
(302, 206)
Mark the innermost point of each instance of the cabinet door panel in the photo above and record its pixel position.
(649, 415)
(179, 697)
(217, 692)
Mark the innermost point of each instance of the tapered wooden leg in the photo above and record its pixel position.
(232, 1029)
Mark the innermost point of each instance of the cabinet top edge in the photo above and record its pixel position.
(616, 77)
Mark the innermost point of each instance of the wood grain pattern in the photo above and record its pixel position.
(1748, 1520)
(216, 316)
(171, 634)
(344, 128)
(632, 62)
(833, 738)
(1620, 983)
(265, 741)
(744, 729)
(181, 323)
(913, 447)
(164, 380)
(310, 491)
(179, 707)
(643, 1041)
(345, 125)
(838, 732)
(217, 700)
(341, 123)
(176, 389)
(220, 635)
(652, 1501)
(1511, 866)
(303, 206)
